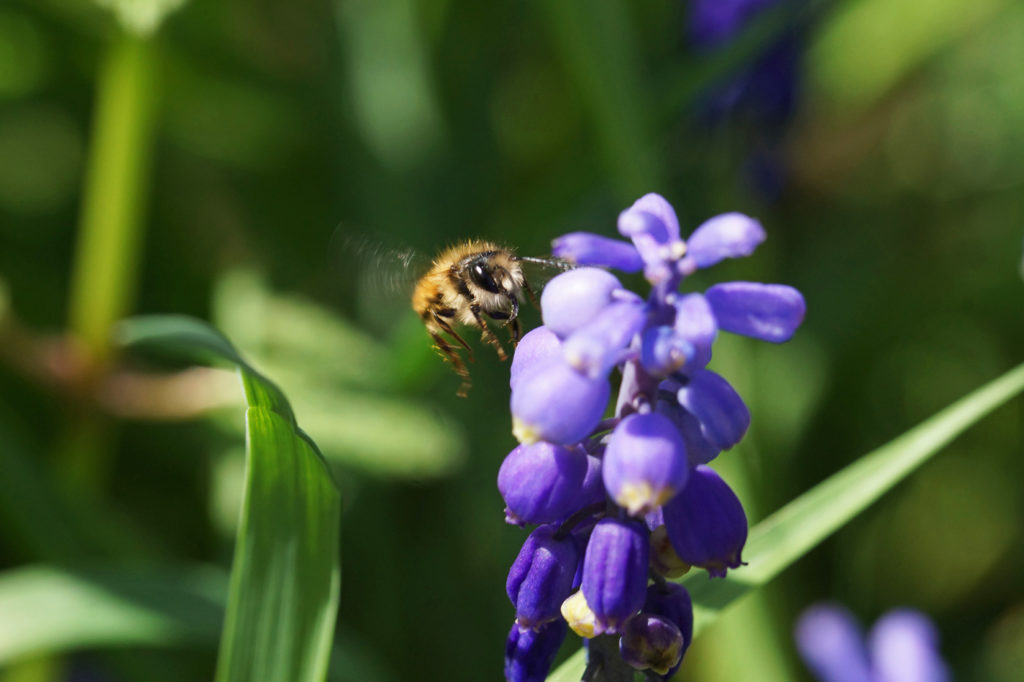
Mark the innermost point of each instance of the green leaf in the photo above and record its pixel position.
(794, 530)
(285, 576)
(51, 610)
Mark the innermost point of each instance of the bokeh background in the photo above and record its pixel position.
(257, 164)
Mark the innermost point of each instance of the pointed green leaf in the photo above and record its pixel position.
(285, 577)
(794, 530)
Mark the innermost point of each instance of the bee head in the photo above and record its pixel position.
(486, 275)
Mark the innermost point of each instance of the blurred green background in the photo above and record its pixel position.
(220, 164)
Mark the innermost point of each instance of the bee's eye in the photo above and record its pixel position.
(481, 277)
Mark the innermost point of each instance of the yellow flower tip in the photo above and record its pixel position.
(640, 497)
(578, 615)
(523, 432)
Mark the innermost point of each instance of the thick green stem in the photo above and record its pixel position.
(116, 187)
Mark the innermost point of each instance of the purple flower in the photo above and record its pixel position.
(706, 523)
(615, 572)
(645, 463)
(672, 415)
(541, 482)
(541, 577)
(530, 653)
(901, 647)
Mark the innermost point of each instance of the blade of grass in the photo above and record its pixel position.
(788, 534)
(286, 573)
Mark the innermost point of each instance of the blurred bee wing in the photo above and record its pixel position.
(372, 266)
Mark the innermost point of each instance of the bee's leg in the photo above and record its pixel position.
(485, 331)
(443, 324)
(511, 321)
(530, 293)
(452, 355)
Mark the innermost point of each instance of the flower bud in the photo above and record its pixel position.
(672, 601)
(593, 483)
(770, 312)
(585, 248)
(541, 576)
(722, 414)
(904, 648)
(830, 642)
(615, 572)
(698, 449)
(651, 642)
(597, 346)
(730, 235)
(645, 462)
(555, 403)
(541, 482)
(706, 523)
(572, 299)
(538, 345)
(530, 653)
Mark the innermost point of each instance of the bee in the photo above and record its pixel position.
(469, 284)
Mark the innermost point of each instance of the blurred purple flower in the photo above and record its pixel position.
(901, 647)
(631, 492)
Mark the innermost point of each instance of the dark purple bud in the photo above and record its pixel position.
(831, 644)
(615, 572)
(538, 345)
(723, 416)
(698, 449)
(695, 322)
(586, 248)
(706, 523)
(530, 653)
(651, 642)
(541, 576)
(672, 601)
(645, 462)
(663, 350)
(574, 298)
(904, 648)
(554, 402)
(597, 346)
(770, 312)
(541, 482)
(730, 235)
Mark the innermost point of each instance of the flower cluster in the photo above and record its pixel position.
(620, 504)
(901, 647)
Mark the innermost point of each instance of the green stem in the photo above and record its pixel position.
(105, 268)
(116, 186)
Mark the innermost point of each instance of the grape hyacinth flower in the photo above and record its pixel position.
(628, 499)
(901, 647)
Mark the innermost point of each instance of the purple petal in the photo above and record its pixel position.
(698, 449)
(706, 523)
(538, 345)
(663, 350)
(673, 602)
(530, 653)
(541, 483)
(723, 416)
(730, 235)
(831, 645)
(573, 298)
(540, 578)
(645, 463)
(904, 648)
(554, 402)
(586, 248)
(615, 572)
(695, 322)
(770, 312)
(658, 206)
(597, 346)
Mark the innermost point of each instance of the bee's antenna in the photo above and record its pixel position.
(563, 264)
